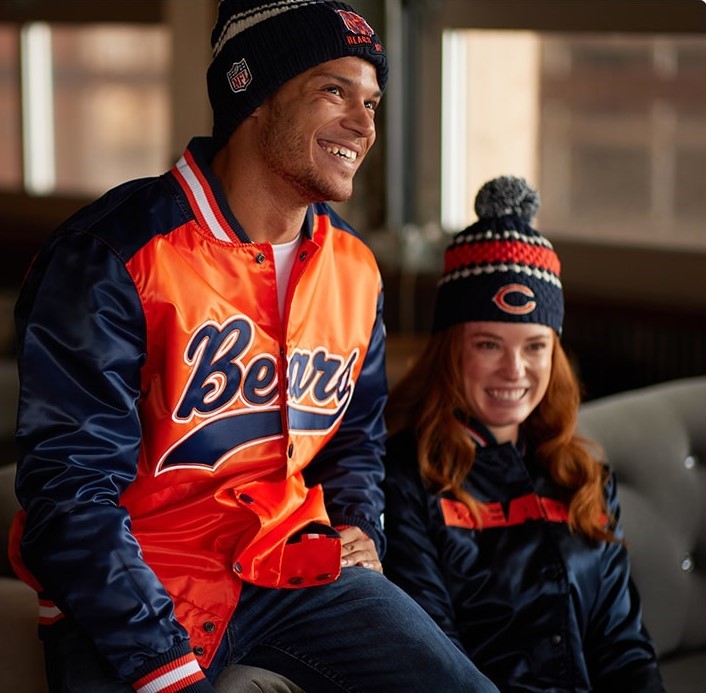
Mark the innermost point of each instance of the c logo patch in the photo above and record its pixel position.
(501, 295)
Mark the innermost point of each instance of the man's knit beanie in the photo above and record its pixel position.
(258, 45)
(500, 269)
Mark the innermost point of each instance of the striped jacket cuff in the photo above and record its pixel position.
(175, 671)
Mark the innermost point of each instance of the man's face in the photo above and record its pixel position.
(315, 130)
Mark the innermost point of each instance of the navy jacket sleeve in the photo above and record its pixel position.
(350, 465)
(412, 560)
(80, 349)
(619, 651)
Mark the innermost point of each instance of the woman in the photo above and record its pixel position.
(501, 521)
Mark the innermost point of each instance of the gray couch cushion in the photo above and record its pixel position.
(684, 674)
(655, 440)
(22, 653)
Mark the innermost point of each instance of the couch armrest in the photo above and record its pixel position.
(22, 654)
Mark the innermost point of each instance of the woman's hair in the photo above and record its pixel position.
(431, 394)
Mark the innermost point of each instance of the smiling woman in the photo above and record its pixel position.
(501, 522)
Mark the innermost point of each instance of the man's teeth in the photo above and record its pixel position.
(508, 395)
(344, 153)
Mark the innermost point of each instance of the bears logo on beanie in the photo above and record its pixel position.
(500, 269)
(258, 45)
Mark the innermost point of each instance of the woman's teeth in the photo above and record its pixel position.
(508, 395)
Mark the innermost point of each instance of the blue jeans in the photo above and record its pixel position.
(360, 633)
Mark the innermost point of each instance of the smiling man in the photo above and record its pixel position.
(200, 426)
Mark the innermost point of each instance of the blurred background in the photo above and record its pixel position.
(600, 105)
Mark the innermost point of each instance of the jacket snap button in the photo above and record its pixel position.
(198, 650)
(237, 567)
(689, 462)
(296, 580)
(209, 626)
(245, 498)
(260, 258)
(302, 255)
(556, 639)
(687, 563)
(552, 572)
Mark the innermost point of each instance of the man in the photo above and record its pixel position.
(202, 366)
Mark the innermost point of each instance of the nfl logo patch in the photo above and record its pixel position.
(239, 76)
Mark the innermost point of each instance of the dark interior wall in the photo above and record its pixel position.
(79, 11)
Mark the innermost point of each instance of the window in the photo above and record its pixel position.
(74, 97)
(608, 127)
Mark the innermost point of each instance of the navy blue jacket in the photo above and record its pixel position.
(535, 606)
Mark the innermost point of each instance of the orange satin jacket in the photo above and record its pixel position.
(176, 436)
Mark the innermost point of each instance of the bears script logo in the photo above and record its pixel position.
(237, 395)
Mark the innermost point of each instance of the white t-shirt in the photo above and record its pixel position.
(285, 254)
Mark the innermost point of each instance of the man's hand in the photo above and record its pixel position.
(358, 549)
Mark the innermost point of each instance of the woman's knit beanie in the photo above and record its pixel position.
(500, 268)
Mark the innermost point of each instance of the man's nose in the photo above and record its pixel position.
(360, 118)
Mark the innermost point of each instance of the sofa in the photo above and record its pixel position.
(654, 438)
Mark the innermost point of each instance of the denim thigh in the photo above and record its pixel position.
(359, 633)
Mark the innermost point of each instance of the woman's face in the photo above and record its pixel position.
(506, 369)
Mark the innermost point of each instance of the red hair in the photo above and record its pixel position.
(431, 393)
